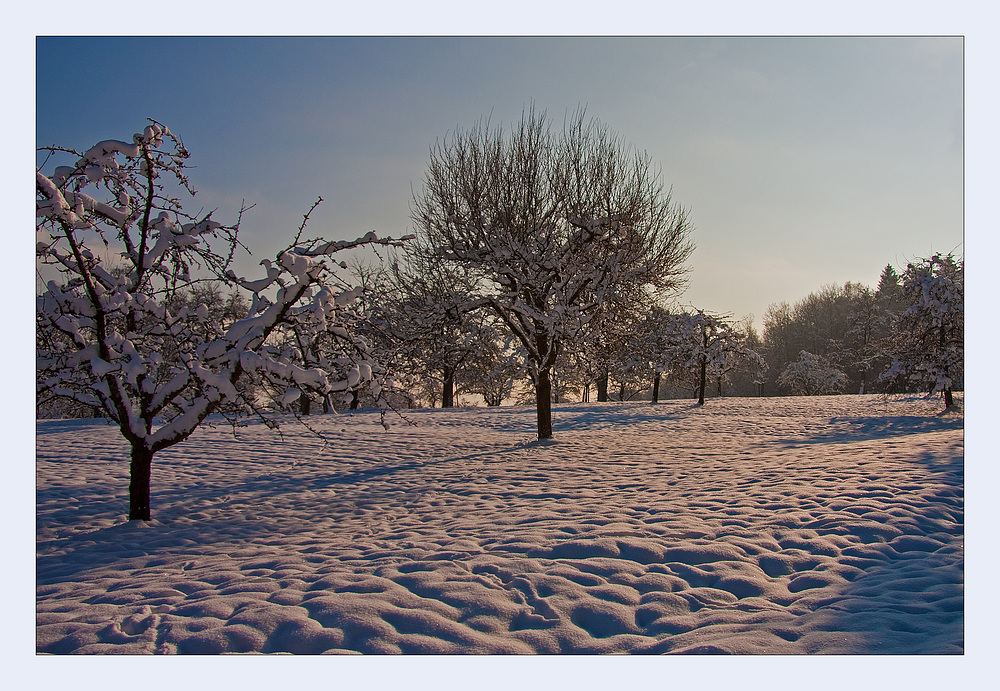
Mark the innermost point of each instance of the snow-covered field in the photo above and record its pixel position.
(775, 526)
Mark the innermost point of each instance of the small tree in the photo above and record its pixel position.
(709, 345)
(435, 323)
(928, 338)
(127, 342)
(811, 375)
(548, 228)
(746, 376)
(645, 344)
(597, 349)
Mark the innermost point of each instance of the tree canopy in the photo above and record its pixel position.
(549, 226)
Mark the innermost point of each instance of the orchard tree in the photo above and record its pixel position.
(746, 378)
(595, 350)
(811, 375)
(709, 345)
(115, 340)
(928, 338)
(365, 280)
(435, 322)
(549, 227)
(647, 346)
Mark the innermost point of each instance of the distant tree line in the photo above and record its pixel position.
(906, 335)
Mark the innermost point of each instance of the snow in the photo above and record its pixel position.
(768, 525)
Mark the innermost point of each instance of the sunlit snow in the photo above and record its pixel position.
(751, 525)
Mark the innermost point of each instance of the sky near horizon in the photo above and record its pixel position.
(803, 161)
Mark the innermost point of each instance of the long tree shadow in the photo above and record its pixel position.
(84, 550)
(909, 599)
(45, 427)
(844, 430)
(76, 552)
(598, 417)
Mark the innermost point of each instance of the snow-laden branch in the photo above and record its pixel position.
(129, 336)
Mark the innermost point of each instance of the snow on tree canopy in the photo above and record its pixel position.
(119, 333)
(928, 343)
(549, 227)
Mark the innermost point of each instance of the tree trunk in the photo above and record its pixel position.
(355, 400)
(448, 389)
(704, 366)
(327, 406)
(304, 403)
(656, 387)
(543, 403)
(138, 488)
(948, 401)
(602, 387)
(701, 385)
(585, 398)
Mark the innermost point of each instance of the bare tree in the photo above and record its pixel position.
(549, 227)
(436, 322)
(708, 344)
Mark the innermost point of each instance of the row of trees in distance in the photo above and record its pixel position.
(906, 335)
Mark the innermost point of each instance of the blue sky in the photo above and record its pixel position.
(803, 161)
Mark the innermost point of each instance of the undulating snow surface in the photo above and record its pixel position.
(785, 525)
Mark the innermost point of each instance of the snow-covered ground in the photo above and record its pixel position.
(778, 526)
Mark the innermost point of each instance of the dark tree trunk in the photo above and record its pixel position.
(543, 402)
(621, 392)
(355, 400)
(704, 367)
(656, 387)
(304, 404)
(701, 385)
(602, 387)
(327, 408)
(138, 488)
(948, 401)
(448, 390)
